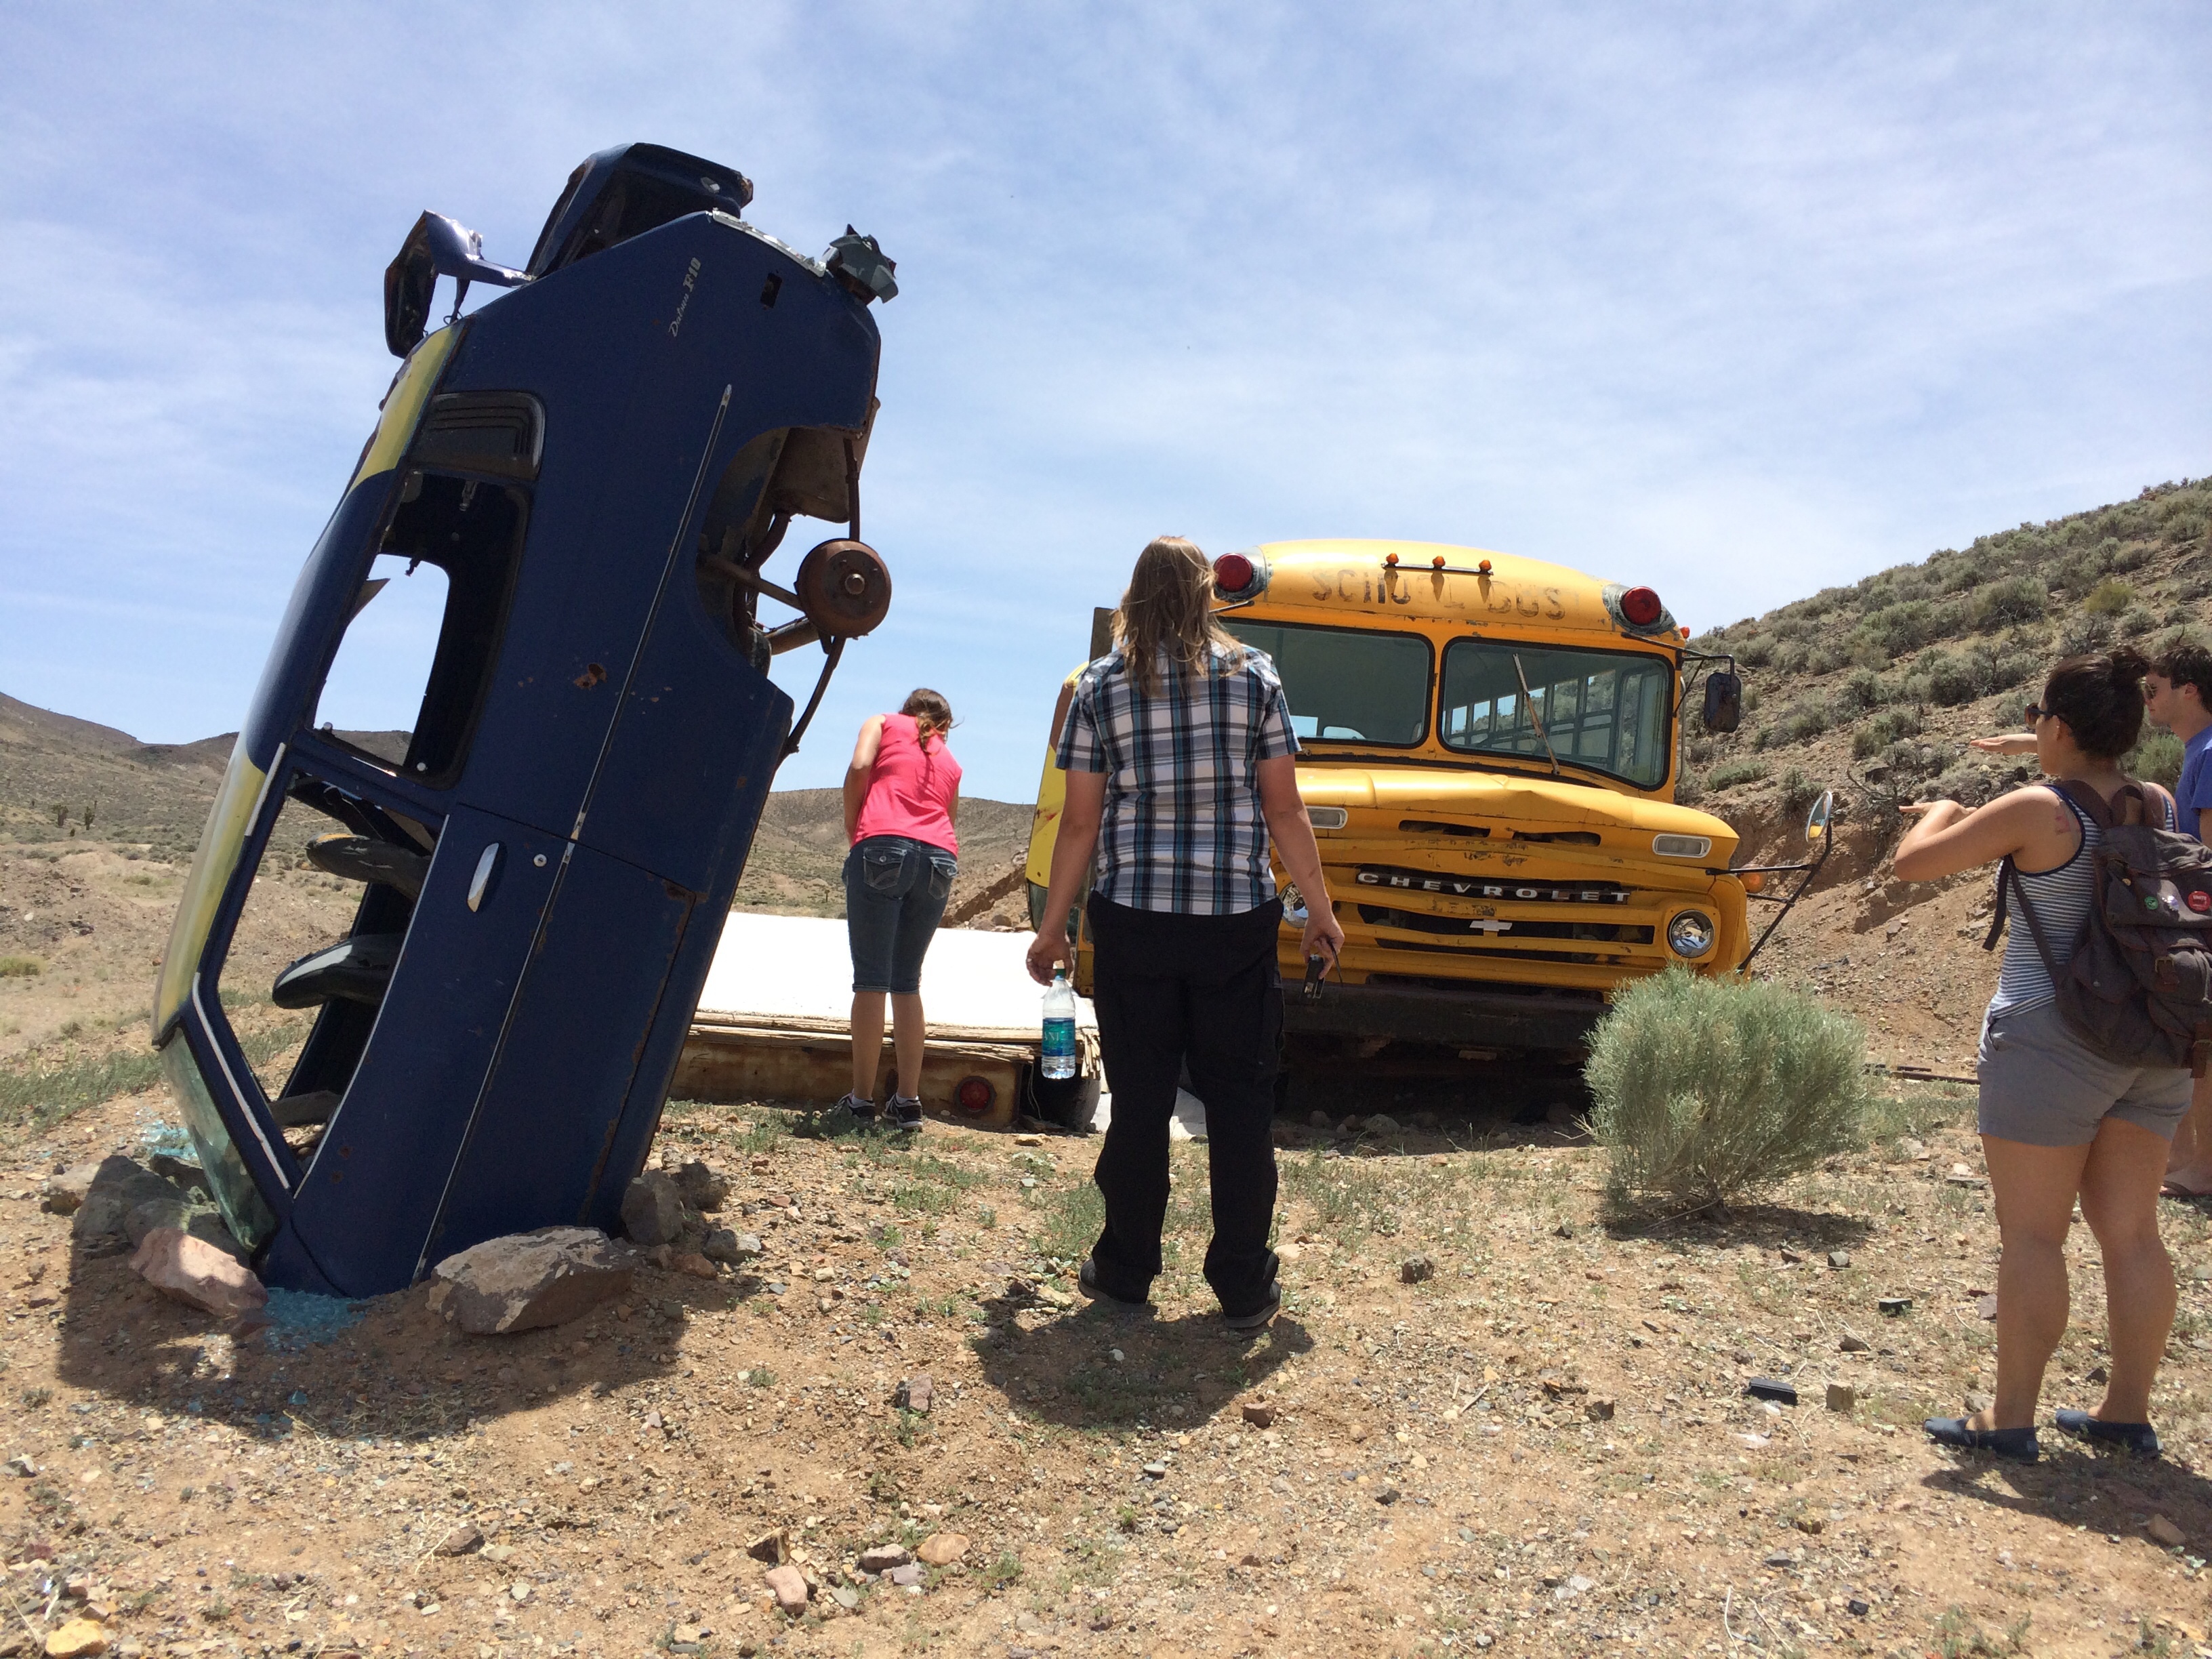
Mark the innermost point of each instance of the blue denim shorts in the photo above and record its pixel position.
(894, 894)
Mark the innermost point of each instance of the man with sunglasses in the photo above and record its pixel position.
(2177, 696)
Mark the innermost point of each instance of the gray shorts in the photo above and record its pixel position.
(2041, 1087)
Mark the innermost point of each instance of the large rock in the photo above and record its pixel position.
(192, 1270)
(118, 1186)
(789, 1585)
(734, 1248)
(652, 1209)
(702, 1188)
(528, 1281)
(65, 1189)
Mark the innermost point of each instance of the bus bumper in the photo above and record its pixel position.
(1474, 1018)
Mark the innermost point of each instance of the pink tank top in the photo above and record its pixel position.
(911, 791)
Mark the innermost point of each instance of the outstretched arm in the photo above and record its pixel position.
(1948, 838)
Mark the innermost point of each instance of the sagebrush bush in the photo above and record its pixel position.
(1707, 1090)
(2016, 599)
(2157, 757)
(1735, 772)
(2109, 598)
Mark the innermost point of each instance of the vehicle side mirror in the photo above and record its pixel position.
(1724, 710)
(1817, 820)
(437, 247)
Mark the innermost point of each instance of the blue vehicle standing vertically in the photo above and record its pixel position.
(593, 469)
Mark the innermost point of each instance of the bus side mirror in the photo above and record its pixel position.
(1816, 821)
(1724, 710)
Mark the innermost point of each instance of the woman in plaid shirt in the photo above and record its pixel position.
(1180, 769)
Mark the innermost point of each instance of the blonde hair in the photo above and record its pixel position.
(1167, 611)
(932, 715)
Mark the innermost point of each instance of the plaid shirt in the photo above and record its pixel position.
(1183, 829)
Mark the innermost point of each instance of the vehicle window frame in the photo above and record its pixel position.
(1428, 696)
(523, 493)
(1668, 737)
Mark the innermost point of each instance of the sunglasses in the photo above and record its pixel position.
(2032, 713)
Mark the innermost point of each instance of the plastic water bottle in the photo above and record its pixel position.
(1059, 1028)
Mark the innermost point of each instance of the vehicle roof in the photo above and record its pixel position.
(1337, 575)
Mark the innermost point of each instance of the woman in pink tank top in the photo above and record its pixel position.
(901, 795)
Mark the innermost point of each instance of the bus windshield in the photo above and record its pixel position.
(1604, 710)
(1347, 686)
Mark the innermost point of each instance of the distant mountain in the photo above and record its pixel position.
(62, 778)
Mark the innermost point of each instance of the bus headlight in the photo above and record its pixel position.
(1690, 935)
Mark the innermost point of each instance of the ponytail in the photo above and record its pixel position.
(932, 715)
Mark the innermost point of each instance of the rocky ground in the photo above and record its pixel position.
(1539, 1444)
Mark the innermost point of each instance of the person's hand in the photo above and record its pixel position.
(1322, 936)
(1047, 951)
(2009, 742)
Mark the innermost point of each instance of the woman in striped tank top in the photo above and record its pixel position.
(2058, 1123)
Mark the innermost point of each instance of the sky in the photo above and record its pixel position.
(1737, 301)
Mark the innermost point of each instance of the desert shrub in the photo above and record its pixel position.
(2157, 757)
(1697, 750)
(1798, 791)
(1823, 659)
(1966, 783)
(2017, 600)
(2109, 598)
(1953, 574)
(2187, 525)
(2083, 634)
(1706, 1089)
(1865, 688)
(1955, 678)
(1688, 791)
(1756, 652)
(1883, 730)
(1802, 722)
(1897, 628)
(1737, 772)
(1792, 656)
(21, 967)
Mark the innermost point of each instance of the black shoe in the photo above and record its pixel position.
(2137, 1437)
(860, 1111)
(1086, 1280)
(903, 1114)
(1270, 1305)
(2013, 1445)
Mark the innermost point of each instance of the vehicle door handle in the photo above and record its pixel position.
(486, 866)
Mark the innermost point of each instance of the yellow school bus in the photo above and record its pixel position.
(1488, 754)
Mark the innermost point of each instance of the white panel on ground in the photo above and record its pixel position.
(1188, 1123)
(801, 965)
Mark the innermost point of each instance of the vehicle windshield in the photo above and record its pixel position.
(1603, 710)
(1347, 686)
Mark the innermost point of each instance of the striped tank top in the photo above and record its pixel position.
(2061, 898)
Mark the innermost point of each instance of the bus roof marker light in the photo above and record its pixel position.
(1233, 573)
(1483, 567)
(1391, 560)
(1641, 606)
(1439, 562)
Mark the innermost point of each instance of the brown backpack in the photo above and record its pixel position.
(2138, 988)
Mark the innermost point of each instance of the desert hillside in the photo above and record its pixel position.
(1874, 690)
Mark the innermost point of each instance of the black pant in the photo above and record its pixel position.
(1171, 988)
